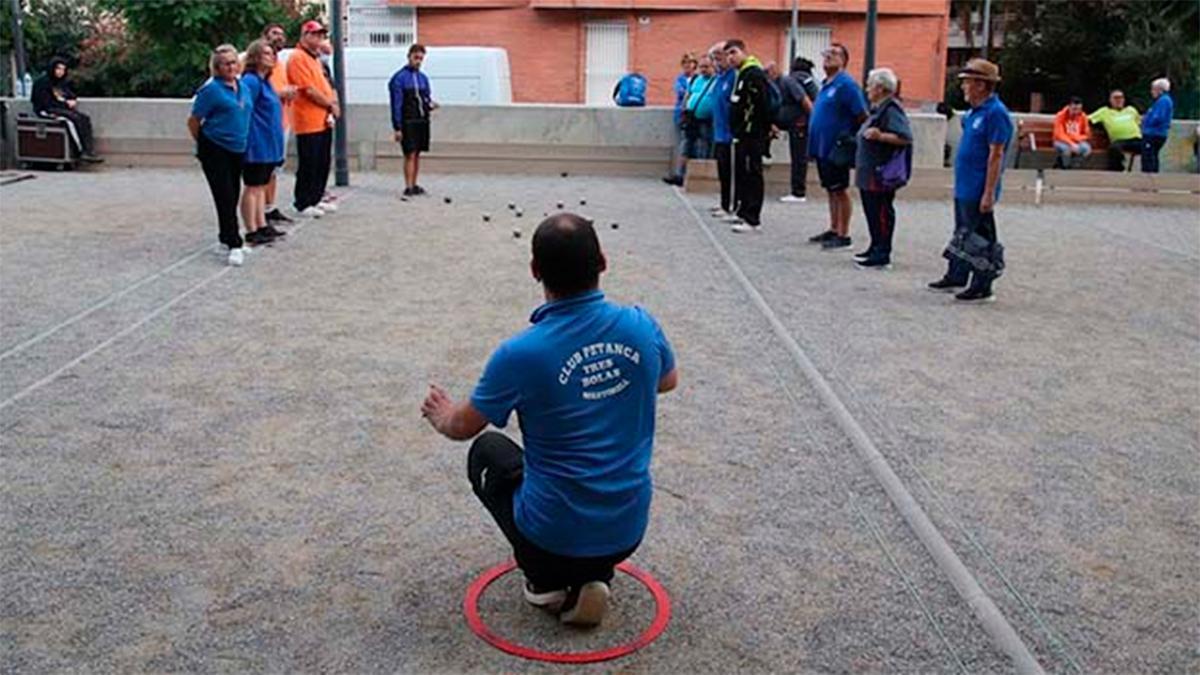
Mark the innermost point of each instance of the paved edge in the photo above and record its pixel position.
(1001, 632)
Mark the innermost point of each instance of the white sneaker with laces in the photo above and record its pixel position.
(311, 212)
(548, 600)
(327, 207)
(236, 257)
(746, 227)
(590, 606)
(793, 199)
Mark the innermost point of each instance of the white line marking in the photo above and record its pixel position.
(16, 349)
(94, 350)
(1003, 636)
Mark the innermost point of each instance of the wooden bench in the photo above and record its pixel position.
(1035, 146)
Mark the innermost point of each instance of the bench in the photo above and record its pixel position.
(44, 140)
(1035, 146)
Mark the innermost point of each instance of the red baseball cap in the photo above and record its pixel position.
(312, 27)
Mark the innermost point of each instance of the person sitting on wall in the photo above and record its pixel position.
(630, 91)
(52, 97)
(1072, 135)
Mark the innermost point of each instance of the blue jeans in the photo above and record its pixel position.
(974, 247)
(1065, 156)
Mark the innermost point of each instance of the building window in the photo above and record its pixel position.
(373, 23)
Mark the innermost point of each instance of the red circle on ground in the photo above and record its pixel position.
(661, 617)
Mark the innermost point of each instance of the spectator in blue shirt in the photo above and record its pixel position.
(696, 120)
(683, 82)
(220, 124)
(1156, 124)
(723, 132)
(838, 112)
(264, 142)
(583, 380)
(974, 252)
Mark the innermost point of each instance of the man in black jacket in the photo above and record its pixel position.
(52, 97)
(750, 120)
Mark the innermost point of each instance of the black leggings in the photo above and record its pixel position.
(880, 210)
(223, 169)
(495, 467)
(724, 155)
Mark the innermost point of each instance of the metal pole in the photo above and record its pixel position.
(869, 55)
(341, 172)
(987, 27)
(794, 38)
(19, 47)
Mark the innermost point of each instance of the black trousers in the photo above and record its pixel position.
(1116, 153)
(723, 154)
(223, 170)
(974, 251)
(312, 172)
(748, 172)
(880, 210)
(1150, 147)
(495, 467)
(83, 127)
(798, 148)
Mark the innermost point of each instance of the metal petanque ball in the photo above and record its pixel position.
(487, 218)
(519, 213)
(564, 174)
(616, 226)
(446, 199)
(559, 205)
(583, 202)
(512, 206)
(516, 233)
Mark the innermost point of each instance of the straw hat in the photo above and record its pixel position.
(980, 69)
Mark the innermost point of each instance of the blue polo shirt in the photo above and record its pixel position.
(722, 133)
(983, 126)
(1157, 121)
(835, 114)
(225, 114)
(264, 145)
(583, 380)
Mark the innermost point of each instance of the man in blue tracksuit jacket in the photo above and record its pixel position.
(722, 133)
(412, 101)
(1156, 124)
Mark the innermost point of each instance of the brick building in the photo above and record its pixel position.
(573, 51)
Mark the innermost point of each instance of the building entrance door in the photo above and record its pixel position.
(607, 59)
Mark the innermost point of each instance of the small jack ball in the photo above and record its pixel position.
(447, 200)
(516, 234)
(583, 202)
(486, 218)
(616, 226)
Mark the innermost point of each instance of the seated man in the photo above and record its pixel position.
(1072, 135)
(583, 380)
(1122, 123)
(52, 97)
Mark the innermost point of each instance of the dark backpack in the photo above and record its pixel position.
(774, 100)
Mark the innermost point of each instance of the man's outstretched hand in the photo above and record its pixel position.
(438, 408)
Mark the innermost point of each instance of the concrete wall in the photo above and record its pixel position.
(521, 137)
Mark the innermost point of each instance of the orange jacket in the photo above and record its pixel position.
(1070, 128)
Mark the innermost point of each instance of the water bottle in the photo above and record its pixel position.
(26, 86)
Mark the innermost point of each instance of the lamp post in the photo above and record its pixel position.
(869, 52)
(987, 27)
(18, 30)
(794, 36)
(341, 172)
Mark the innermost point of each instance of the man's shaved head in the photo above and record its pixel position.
(566, 255)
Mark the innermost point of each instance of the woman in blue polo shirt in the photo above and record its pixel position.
(220, 122)
(264, 143)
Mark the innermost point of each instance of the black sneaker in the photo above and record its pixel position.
(945, 284)
(835, 242)
(673, 180)
(876, 261)
(820, 238)
(257, 238)
(418, 190)
(863, 255)
(271, 232)
(276, 216)
(975, 295)
(409, 192)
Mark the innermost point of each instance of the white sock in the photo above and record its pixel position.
(268, 208)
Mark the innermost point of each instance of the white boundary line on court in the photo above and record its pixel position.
(1004, 637)
(112, 297)
(137, 324)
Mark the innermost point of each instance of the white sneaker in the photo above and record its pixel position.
(731, 218)
(746, 227)
(236, 257)
(327, 207)
(221, 250)
(311, 212)
(716, 210)
(548, 600)
(793, 199)
(590, 606)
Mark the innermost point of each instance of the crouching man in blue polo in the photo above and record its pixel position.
(584, 380)
(974, 252)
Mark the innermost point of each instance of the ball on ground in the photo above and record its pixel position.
(446, 199)
(558, 205)
(487, 218)
(512, 206)
(616, 226)
(516, 233)
(583, 202)
(520, 213)
(564, 174)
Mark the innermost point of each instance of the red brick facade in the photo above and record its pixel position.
(545, 39)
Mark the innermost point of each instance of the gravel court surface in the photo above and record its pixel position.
(1057, 426)
(245, 485)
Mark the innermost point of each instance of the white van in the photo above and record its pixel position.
(458, 75)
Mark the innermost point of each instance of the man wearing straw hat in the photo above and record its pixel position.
(974, 252)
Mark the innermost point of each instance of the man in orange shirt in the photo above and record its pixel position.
(313, 111)
(1072, 135)
(277, 38)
